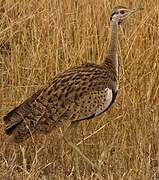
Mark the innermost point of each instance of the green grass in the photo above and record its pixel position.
(40, 38)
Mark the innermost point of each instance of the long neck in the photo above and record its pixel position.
(112, 47)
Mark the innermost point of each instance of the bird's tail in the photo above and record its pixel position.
(15, 124)
(18, 123)
(12, 120)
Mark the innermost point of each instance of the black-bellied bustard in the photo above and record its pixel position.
(77, 94)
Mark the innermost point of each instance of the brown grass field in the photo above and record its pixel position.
(38, 39)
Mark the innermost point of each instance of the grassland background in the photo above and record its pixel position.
(38, 39)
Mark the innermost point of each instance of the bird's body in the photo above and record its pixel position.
(77, 94)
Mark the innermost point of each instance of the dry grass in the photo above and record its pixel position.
(38, 39)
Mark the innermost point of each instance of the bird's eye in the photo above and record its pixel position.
(122, 12)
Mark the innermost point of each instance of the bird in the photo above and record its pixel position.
(76, 94)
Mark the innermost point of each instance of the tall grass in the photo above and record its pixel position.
(40, 38)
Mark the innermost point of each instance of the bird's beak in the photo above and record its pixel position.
(132, 11)
(136, 9)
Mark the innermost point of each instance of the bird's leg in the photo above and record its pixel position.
(69, 134)
(93, 165)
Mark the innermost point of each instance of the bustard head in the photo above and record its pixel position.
(120, 13)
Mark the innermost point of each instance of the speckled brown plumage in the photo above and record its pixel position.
(73, 95)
